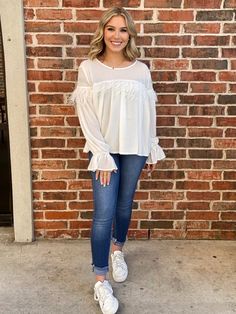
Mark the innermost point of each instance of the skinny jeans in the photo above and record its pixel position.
(113, 208)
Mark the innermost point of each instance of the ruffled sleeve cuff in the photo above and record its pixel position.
(102, 161)
(156, 153)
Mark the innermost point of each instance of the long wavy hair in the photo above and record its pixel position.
(97, 46)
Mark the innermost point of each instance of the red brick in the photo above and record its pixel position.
(213, 28)
(203, 195)
(227, 121)
(80, 52)
(170, 64)
(204, 175)
(50, 224)
(137, 234)
(46, 142)
(167, 214)
(121, 3)
(227, 76)
(40, 3)
(162, 3)
(29, 14)
(80, 3)
(198, 215)
(48, 164)
(214, 15)
(35, 26)
(59, 196)
(80, 27)
(233, 64)
(228, 216)
(197, 225)
(44, 51)
(167, 234)
(229, 196)
(56, 87)
(53, 14)
(228, 52)
(55, 63)
(176, 15)
(206, 110)
(161, 28)
(156, 205)
(49, 185)
(224, 206)
(198, 76)
(49, 205)
(223, 225)
(229, 28)
(171, 87)
(57, 110)
(225, 143)
(211, 40)
(210, 4)
(162, 52)
(200, 52)
(58, 153)
(172, 110)
(226, 185)
(55, 175)
(80, 185)
(192, 185)
(205, 132)
(205, 154)
(46, 99)
(170, 40)
(193, 205)
(44, 75)
(195, 121)
(166, 195)
(193, 164)
(210, 64)
(47, 121)
(224, 164)
(208, 88)
(164, 76)
(153, 185)
(58, 132)
(61, 215)
(54, 39)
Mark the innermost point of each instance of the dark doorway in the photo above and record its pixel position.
(6, 215)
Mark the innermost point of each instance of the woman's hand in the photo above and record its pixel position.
(150, 168)
(105, 176)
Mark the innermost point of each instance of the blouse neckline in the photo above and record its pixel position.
(121, 68)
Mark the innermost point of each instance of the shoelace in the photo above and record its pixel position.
(104, 293)
(119, 261)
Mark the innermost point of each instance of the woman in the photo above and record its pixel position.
(116, 107)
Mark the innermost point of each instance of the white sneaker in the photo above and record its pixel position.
(103, 294)
(119, 266)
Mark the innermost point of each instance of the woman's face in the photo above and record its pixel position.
(116, 34)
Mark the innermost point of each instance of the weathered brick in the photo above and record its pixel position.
(175, 15)
(210, 64)
(211, 4)
(162, 4)
(218, 15)
(213, 28)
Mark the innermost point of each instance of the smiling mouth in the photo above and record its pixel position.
(116, 43)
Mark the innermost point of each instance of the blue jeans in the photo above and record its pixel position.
(113, 206)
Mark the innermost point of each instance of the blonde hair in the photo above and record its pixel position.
(97, 46)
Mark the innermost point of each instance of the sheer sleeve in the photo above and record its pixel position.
(83, 99)
(156, 152)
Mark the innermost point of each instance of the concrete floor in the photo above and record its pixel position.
(165, 277)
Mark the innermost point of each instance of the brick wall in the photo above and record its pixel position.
(190, 48)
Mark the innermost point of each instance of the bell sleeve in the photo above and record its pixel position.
(82, 97)
(156, 152)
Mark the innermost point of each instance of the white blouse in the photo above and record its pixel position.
(117, 112)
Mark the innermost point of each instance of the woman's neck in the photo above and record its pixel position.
(114, 59)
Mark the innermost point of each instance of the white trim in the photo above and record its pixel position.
(12, 21)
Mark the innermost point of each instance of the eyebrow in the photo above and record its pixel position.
(114, 26)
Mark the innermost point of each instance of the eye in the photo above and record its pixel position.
(110, 29)
(124, 30)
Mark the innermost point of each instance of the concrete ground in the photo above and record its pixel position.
(165, 277)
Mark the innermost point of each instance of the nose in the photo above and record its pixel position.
(117, 34)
